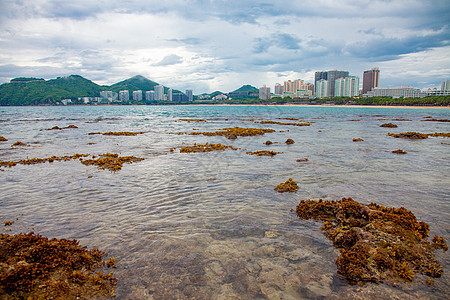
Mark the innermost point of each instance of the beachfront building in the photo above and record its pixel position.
(331, 77)
(137, 95)
(371, 79)
(445, 85)
(150, 96)
(169, 95)
(303, 93)
(190, 95)
(124, 95)
(159, 92)
(220, 97)
(435, 92)
(321, 88)
(278, 89)
(264, 93)
(347, 87)
(395, 92)
(179, 97)
(108, 96)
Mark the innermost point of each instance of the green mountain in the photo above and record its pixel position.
(37, 91)
(135, 83)
(246, 88)
(34, 91)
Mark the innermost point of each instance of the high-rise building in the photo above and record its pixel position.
(347, 87)
(137, 95)
(189, 95)
(371, 79)
(169, 95)
(445, 85)
(331, 77)
(322, 88)
(159, 92)
(150, 96)
(278, 89)
(264, 93)
(108, 96)
(124, 95)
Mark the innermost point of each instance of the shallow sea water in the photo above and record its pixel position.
(210, 225)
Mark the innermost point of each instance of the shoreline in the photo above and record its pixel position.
(331, 106)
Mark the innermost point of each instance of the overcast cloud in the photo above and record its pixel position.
(220, 45)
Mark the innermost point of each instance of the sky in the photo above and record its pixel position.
(221, 45)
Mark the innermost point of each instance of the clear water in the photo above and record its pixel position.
(210, 225)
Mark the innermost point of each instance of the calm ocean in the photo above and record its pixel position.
(210, 225)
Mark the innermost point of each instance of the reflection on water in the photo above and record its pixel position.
(210, 225)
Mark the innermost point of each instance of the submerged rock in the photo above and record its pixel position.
(376, 243)
(35, 267)
(388, 125)
(289, 186)
(205, 148)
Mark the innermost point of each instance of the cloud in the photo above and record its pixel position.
(168, 60)
(222, 42)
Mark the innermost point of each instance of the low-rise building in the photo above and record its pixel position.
(394, 92)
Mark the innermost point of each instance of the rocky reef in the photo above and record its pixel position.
(399, 151)
(417, 135)
(117, 133)
(3, 139)
(206, 148)
(61, 128)
(234, 132)
(35, 267)
(377, 243)
(263, 153)
(289, 186)
(389, 125)
(110, 161)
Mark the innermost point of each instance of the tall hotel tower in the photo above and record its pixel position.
(371, 79)
(331, 77)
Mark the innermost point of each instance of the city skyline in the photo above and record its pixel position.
(219, 45)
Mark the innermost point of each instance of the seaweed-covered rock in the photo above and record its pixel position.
(290, 141)
(206, 148)
(35, 267)
(263, 153)
(289, 186)
(409, 135)
(399, 151)
(376, 243)
(389, 125)
(358, 140)
(3, 139)
(110, 161)
(117, 133)
(234, 132)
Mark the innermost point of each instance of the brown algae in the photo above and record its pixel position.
(376, 243)
(18, 143)
(234, 132)
(263, 153)
(205, 148)
(35, 267)
(33, 161)
(290, 141)
(117, 133)
(284, 123)
(399, 151)
(389, 125)
(61, 128)
(289, 186)
(192, 120)
(110, 161)
(418, 136)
